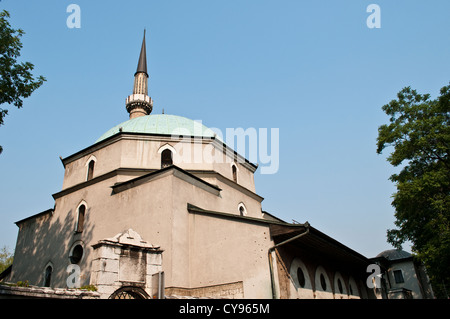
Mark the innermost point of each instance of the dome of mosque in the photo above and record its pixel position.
(394, 254)
(162, 124)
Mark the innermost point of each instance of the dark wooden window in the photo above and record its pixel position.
(166, 158)
(90, 170)
(398, 277)
(234, 170)
(48, 276)
(81, 215)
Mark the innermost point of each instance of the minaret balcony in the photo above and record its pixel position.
(136, 98)
(139, 101)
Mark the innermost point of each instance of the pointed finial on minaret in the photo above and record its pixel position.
(142, 63)
(139, 103)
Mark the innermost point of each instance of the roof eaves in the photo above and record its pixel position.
(125, 185)
(48, 211)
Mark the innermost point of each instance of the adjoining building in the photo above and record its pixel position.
(402, 276)
(139, 216)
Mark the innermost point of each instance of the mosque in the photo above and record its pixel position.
(138, 218)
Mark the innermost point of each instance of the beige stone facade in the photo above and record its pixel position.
(190, 211)
(143, 210)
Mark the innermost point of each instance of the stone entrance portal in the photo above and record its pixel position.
(124, 265)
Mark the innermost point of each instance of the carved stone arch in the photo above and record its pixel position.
(129, 292)
(165, 147)
(301, 280)
(82, 202)
(322, 282)
(242, 209)
(340, 288)
(167, 153)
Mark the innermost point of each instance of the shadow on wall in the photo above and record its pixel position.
(50, 240)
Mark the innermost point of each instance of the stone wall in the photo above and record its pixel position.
(32, 292)
(233, 290)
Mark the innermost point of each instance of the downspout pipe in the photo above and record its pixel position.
(272, 279)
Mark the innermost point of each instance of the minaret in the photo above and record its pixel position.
(139, 103)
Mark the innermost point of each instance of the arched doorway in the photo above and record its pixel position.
(129, 293)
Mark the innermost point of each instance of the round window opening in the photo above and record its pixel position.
(77, 254)
(323, 283)
(301, 277)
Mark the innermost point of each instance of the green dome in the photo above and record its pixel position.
(162, 124)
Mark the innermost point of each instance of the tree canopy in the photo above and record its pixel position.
(16, 80)
(6, 258)
(419, 134)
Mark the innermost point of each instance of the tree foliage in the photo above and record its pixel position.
(6, 258)
(16, 80)
(419, 134)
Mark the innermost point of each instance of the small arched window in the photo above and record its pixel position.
(341, 290)
(234, 172)
(166, 158)
(81, 215)
(242, 209)
(48, 276)
(90, 173)
(323, 282)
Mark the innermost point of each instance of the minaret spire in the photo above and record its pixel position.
(142, 63)
(139, 103)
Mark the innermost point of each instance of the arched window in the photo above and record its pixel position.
(81, 215)
(234, 172)
(242, 209)
(340, 286)
(323, 282)
(301, 280)
(90, 173)
(301, 277)
(340, 289)
(48, 276)
(353, 287)
(166, 158)
(323, 288)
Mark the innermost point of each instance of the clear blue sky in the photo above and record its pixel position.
(313, 69)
